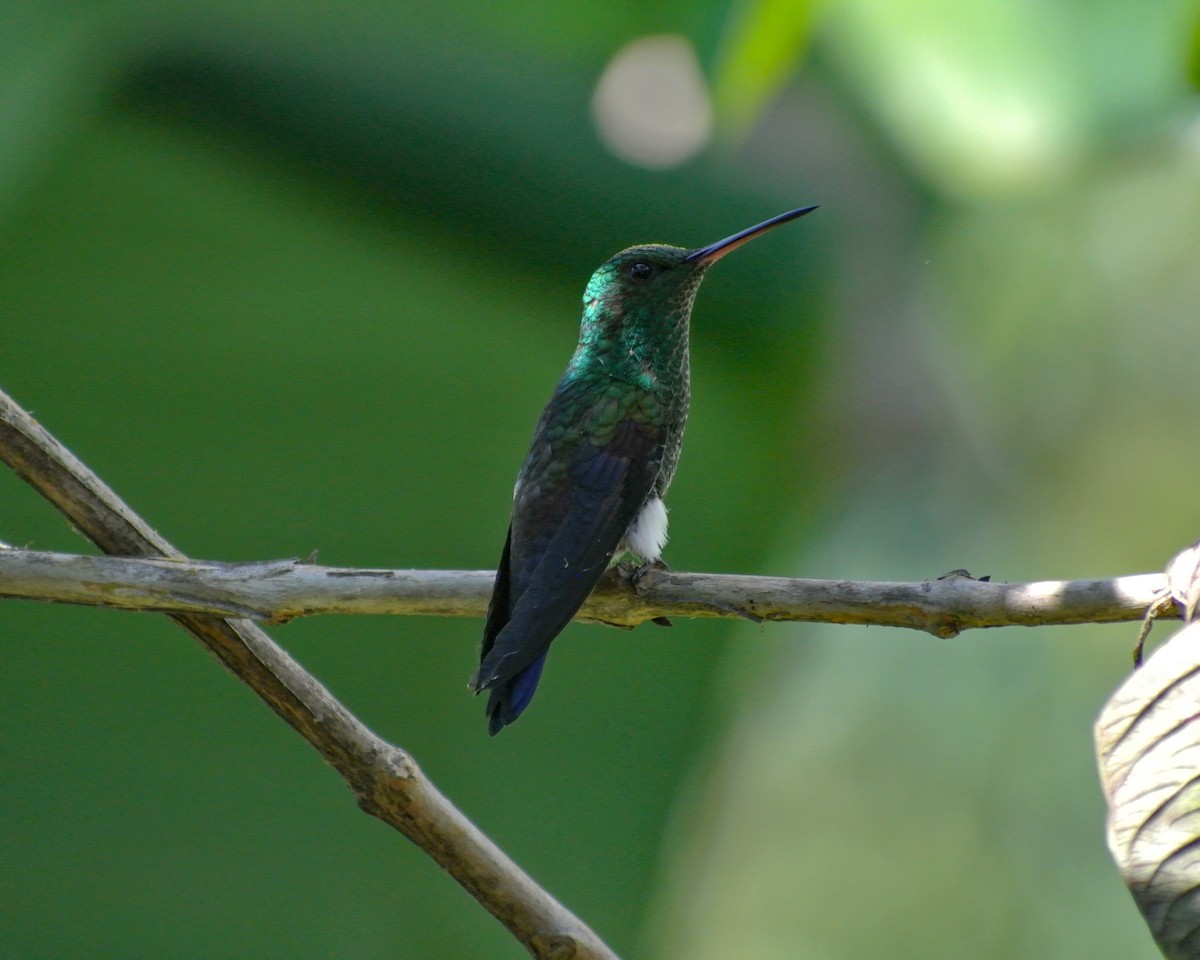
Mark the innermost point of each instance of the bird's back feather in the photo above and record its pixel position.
(568, 520)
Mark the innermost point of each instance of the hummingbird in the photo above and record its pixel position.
(603, 455)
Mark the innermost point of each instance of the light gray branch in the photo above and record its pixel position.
(280, 590)
(385, 779)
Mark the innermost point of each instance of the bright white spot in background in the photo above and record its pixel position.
(987, 127)
(651, 106)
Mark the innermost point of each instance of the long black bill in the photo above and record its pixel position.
(715, 251)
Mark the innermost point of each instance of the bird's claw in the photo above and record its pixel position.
(631, 572)
(654, 565)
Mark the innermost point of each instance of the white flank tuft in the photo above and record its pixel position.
(648, 534)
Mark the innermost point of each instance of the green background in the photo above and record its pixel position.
(300, 276)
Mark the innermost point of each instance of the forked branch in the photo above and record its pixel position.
(216, 602)
(385, 778)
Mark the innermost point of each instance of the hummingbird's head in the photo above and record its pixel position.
(643, 282)
(657, 279)
(640, 301)
(636, 310)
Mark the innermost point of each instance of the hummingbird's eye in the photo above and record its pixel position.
(640, 271)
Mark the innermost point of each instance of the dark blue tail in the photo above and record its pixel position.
(506, 701)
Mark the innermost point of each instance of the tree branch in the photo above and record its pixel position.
(385, 779)
(280, 590)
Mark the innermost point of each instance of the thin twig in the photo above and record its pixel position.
(280, 590)
(385, 779)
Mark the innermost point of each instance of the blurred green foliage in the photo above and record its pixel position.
(296, 277)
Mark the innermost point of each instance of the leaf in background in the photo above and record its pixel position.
(984, 99)
(762, 46)
(1148, 744)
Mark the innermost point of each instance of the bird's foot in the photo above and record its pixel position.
(640, 571)
(625, 570)
(631, 573)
